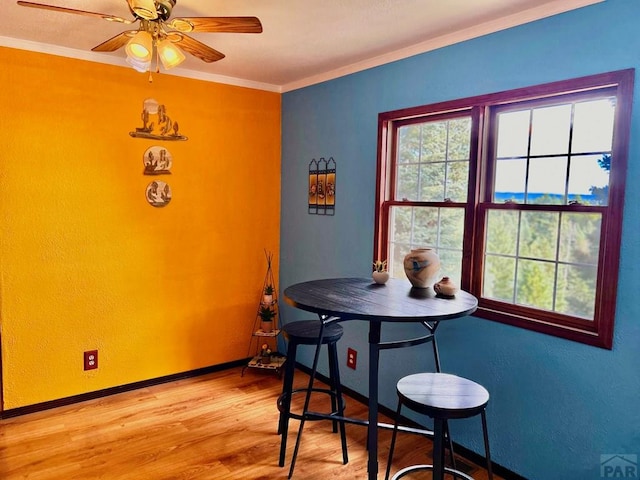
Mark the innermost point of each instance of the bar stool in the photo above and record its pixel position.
(442, 397)
(307, 332)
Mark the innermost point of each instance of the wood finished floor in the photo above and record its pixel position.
(217, 426)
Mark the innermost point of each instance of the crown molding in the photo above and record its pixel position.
(120, 62)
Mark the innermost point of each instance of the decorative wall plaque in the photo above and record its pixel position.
(158, 193)
(322, 186)
(156, 124)
(157, 161)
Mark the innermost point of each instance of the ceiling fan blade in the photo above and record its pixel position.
(111, 18)
(216, 24)
(196, 48)
(116, 42)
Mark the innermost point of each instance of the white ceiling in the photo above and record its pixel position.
(303, 42)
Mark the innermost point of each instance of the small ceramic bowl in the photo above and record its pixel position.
(445, 287)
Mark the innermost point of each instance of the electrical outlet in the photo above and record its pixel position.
(352, 357)
(91, 360)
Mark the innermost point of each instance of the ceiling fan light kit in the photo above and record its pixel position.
(158, 36)
(140, 47)
(170, 55)
(139, 66)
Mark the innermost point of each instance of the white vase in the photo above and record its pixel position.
(422, 266)
(380, 277)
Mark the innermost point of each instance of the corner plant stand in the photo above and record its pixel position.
(266, 328)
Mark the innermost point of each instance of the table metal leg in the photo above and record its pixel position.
(372, 427)
(438, 449)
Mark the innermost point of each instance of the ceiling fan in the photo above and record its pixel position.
(159, 34)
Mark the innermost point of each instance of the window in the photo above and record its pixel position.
(521, 195)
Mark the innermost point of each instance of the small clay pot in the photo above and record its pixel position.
(445, 287)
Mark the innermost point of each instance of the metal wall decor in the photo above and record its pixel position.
(322, 186)
(157, 161)
(156, 124)
(158, 193)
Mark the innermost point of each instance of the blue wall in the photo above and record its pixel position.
(556, 405)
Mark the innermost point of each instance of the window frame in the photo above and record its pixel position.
(597, 332)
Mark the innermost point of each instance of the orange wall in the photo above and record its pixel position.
(86, 263)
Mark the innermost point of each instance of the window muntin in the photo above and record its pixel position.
(548, 154)
(418, 226)
(433, 160)
(530, 222)
(543, 260)
(553, 154)
(430, 191)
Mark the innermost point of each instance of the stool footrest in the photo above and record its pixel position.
(298, 416)
(414, 468)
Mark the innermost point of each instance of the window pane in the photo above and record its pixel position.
(401, 225)
(499, 275)
(457, 185)
(409, 144)
(589, 179)
(458, 151)
(502, 232)
(535, 284)
(580, 238)
(458, 147)
(550, 130)
(576, 292)
(416, 227)
(528, 240)
(510, 180)
(451, 228)
(395, 264)
(425, 227)
(593, 126)
(513, 134)
(434, 142)
(432, 182)
(538, 235)
(542, 171)
(433, 161)
(451, 264)
(547, 180)
(408, 182)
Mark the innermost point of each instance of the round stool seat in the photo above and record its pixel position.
(441, 395)
(306, 332)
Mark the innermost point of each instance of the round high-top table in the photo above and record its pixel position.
(342, 299)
